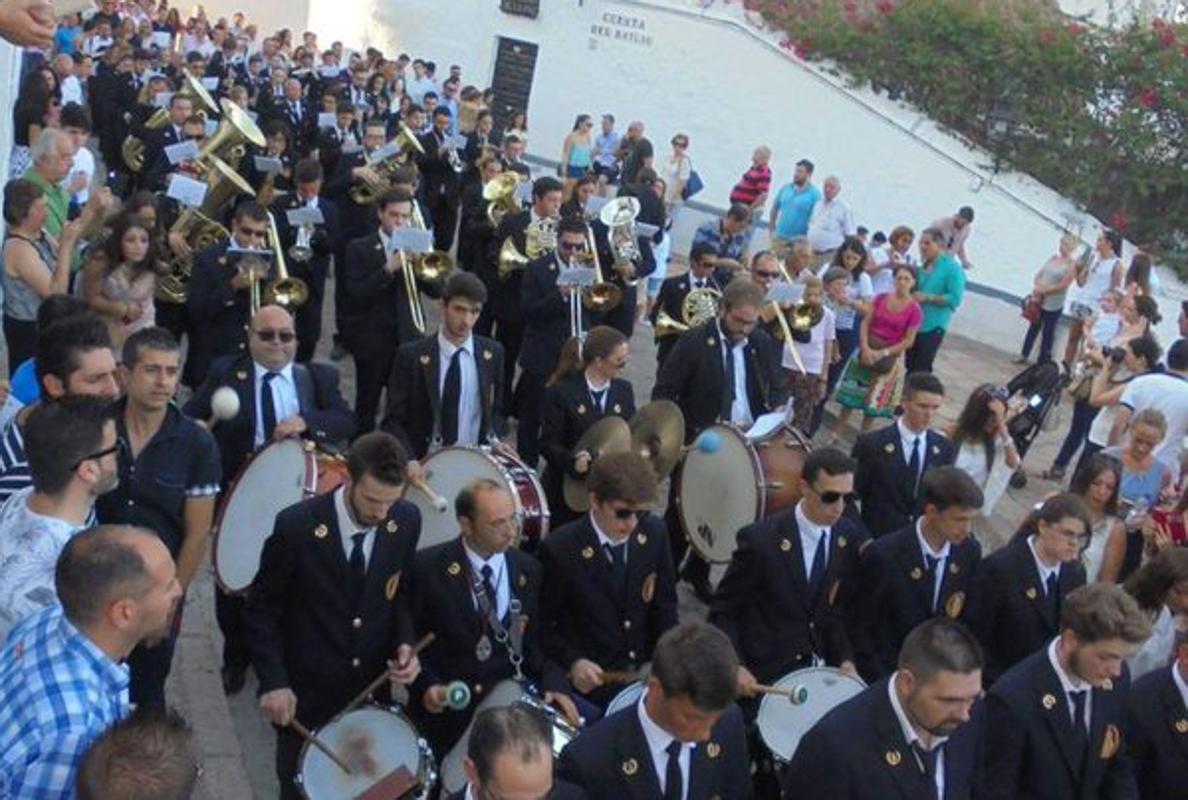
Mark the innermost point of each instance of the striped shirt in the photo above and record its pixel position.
(754, 182)
(14, 467)
(58, 692)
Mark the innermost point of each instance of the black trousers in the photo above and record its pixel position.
(373, 366)
(510, 334)
(529, 406)
(443, 210)
(308, 319)
(622, 316)
(288, 751)
(150, 667)
(229, 615)
(172, 317)
(923, 352)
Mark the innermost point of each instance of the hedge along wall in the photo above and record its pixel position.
(1100, 115)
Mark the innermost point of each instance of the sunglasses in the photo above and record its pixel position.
(762, 273)
(115, 448)
(268, 335)
(829, 498)
(627, 513)
(570, 245)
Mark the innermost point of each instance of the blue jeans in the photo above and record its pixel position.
(1082, 419)
(1046, 325)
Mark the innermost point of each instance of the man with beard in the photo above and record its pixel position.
(1054, 721)
(913, 734)
(72, 446)
(169, 478)
(61, 677)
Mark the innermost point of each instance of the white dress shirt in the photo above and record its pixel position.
(907, 440)
(909, 733)
(740, 409)
(658, 740)
(602, 399)
(500, 580)
(1070, 683)
(284, 397)
(812, 536)
(942, 554)
(1043, 569)
(605, 541)
(830, 223)
(470, 418)
(347, 528)
(1178, 680)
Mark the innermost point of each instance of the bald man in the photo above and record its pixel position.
(278, 399)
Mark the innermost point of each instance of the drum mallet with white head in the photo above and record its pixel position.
(797, 695)
(224, 405)
(457, 695)
(439, 503)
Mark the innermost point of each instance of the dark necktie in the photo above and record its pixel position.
(598, 397)
(728, 389)
(927, 761)
(931, 563)
(358, 563)
(451, 398)
(268, 405)
(1052, 588)
(1080, 728)
(489, 588)
(674, 785)
(618, 565)
(698, 284)
(817, 572)
(914, 468)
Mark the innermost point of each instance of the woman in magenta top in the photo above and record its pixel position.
(874, 374)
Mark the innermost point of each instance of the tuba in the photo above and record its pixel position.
(619, 215)
(235, 130)
(500, 194)
(199, 228)
(391, 156)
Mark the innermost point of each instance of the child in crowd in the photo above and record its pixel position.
(1104, 324)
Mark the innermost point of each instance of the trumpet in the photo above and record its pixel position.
(285, 290)
(602, 296)
(455, 160)
(302, 251)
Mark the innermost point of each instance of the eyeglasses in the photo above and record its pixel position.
(627, 513)
(268, 335)
(763, 273)
(680, 144)
(1073, 537)
(829, 498)
(107, 451)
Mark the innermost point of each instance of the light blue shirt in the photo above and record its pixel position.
(796, 207)
(284, 398)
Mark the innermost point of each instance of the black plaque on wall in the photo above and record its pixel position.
(521, 8)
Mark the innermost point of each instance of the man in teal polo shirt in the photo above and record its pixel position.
(940, 285)
(53, 155)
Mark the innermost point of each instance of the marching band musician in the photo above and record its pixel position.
(481, 597)
(381, 316)
(329, 608)
(728, 370)
(448, 389)
(278, 145)
(277, 399)
(673, 291)
(156, 175)
(683, 739)
(549, 319)
(609, 585)
(508, 315)
(915, 734)
(1157, 707)
(510, 754)
(475, 228)
(181, 107)
(219, 293)
(783, 598)
(323, 241)
(440, 177)
(926, 569)
(582, 390)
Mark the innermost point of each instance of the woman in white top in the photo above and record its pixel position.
(675, 171)
(985, 450)
(1160, 588)
(1098, 482)
(881, 264)
(1103, 273)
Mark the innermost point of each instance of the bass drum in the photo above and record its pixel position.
(783, 721)
(627, 697)
(274, 478)
(736, 481)
(450, 469)
(378, 744)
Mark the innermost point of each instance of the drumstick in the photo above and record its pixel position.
(310, 737)
(611, 678)
(795, 694)
(379, 680)
(439, 502)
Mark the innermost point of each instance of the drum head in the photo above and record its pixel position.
(718, 493)
(373, 741)
(626, 698)
(453, 774)
(272, 481)
(782, 723)
(448, 471)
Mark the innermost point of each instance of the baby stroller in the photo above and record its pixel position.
(1035, 392)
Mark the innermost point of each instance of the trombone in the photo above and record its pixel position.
(602, 296)
(411, 289)
(285, 290)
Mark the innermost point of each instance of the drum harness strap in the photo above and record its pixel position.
(512, 639)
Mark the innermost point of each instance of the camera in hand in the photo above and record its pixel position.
(1114, 354)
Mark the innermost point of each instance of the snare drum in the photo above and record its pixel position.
(626, 698)
(503, 694)
(450, 469)
(747, 478)
(274, 478)
(816, 691)
(374, 742)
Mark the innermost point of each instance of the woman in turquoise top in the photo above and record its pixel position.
(577, 151)
(940, 286)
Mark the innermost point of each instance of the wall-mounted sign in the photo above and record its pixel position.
(521, 8)
(617, 27)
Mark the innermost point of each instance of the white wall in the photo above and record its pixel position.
(711, 74)
(269, 16)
